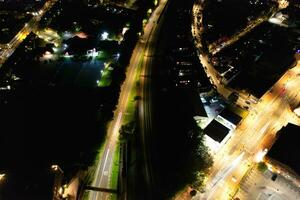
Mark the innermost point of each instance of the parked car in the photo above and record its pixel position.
(274, 176)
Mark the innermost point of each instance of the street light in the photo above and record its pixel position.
(104, 35)
(57, 182)
(259, 157)
(2, 177)
(57, 168)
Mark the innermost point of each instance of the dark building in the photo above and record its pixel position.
(216, 131)
(230, 116)
(286, 149)
(78, 46)
(197, 105)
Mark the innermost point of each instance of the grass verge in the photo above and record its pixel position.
(105, 80)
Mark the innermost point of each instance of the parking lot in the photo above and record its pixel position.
(259, 185)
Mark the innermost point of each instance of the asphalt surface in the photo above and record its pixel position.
(259, 185)
(255, 133)
(138, 60)
(145, 105)
(24, 32)
(211, 72)
(215, 47)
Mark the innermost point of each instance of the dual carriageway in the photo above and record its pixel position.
(256, 132)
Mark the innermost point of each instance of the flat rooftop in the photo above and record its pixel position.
(286, 149)
(230, 116)
(197, 104)
(216, 131)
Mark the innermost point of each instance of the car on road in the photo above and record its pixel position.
(274, 176)
(246, 107)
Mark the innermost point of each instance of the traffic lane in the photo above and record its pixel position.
(96, 195)
(263, 145)
(253, 136)
(106, 162)
(145, 106)
(275, 114)
(24, 32)
(145, 122)
(27, 29)
(231, 179)
(126, 87)
(242, 101)
(105, 174)
(122, 106)
(214, 48)
(248, 139)
(266, 102)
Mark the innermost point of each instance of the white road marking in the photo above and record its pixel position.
(106, 156)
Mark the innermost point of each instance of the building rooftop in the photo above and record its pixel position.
(286, 149)
(197, 105)
(216, 131)
(230, 116)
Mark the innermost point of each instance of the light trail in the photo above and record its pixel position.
(105, 163)
(224, 173)
(256, 132)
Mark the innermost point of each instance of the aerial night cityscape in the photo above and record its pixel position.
(150, 100)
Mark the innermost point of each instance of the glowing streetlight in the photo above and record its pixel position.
(297, 111)
(56, 168)
(259, 157)
(57, 181)
(104, 35)
(2, 176)
(124, 30)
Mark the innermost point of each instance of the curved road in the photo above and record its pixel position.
(137, 61)
(145, 105)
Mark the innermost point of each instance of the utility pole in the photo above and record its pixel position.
(58, 176)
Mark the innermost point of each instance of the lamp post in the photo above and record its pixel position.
(58, 176)
(2, 177)
(56, 168)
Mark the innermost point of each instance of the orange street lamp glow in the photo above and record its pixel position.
(260, 155)
(2, 176)
(56, 168)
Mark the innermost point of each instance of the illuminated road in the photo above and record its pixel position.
(197, 29)
(24, 32)
(255, 133)
(137, 61)
(145, 105)
(259, 185)
(217, 47)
